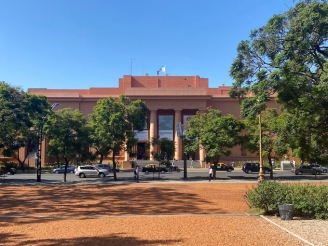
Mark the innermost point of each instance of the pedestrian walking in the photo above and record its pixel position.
(210, 172)
(136, 174)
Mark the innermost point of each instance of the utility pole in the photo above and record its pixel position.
(38, 158)
(132, 59)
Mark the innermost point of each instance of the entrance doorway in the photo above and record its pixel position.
(141, 151)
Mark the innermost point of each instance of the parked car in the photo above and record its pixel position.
(307, 169)
(153, 168)
(223, 167)
(90, 171)
(12, 171)
(108, 167)
(323, 169)
(70, 169)
(250, 167)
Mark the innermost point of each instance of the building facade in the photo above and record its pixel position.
(170, 100)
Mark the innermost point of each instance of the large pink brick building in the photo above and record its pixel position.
(170, 99)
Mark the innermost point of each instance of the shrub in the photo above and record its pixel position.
(309, 201)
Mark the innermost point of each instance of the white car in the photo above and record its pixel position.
(90, 171)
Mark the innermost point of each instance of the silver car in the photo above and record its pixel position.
(90, 171)
(307, 169)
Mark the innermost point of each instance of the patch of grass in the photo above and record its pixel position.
(256, 211)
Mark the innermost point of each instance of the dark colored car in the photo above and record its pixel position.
(12, 171)
(108, 167)
(250, 167)
(153, 168)
(70, 169)
(307, 169)
(223, 167)
(323, 169)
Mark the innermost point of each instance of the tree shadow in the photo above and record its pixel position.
(112, 239)
(115, 200)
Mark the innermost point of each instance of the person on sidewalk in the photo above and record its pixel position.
(136, 174)
(210, 172)
(191, 163)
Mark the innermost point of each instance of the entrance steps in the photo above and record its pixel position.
(196, 163)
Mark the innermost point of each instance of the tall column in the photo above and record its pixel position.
(152, 129)
(201, 150)
(126, 155)
(177, 140)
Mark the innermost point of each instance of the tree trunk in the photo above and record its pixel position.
(114, 166)
(101, 159)
(271, 171)
(58, 161)
(66, 165)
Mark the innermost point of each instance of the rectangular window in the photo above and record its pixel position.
(165, 126)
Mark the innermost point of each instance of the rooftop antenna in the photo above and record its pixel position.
(132, 59)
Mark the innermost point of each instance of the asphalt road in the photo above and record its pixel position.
(195, 175)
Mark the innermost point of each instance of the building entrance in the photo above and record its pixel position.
(141, 151)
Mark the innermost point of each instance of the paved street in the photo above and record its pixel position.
(193, 175)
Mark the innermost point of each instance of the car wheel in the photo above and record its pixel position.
(71, 171)
(146, 172)
(249, 171)
(162, 171)
(324, 171)
(178, 169)
(229, 170)
(317, 173)
(56, 172)
(300, 173)
(82, 175)
(266, 171)
(102, 175)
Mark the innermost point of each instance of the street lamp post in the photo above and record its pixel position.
(38, 159)
(180, 134)
(261, 176)
(184, 159)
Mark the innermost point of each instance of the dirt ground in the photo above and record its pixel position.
(134, 214)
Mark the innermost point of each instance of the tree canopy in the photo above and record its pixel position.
(20, 113)
(113, 123)
(163, 148)
(68, 135)
(213, 132)
(274, 138)
(287, 59)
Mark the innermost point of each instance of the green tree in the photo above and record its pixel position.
(20, 113)
(113, 123)
(163, 148)
(215, 133)
(67, 133)
(274, 142)
(287, 59)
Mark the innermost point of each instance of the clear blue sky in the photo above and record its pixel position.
(68, 44)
